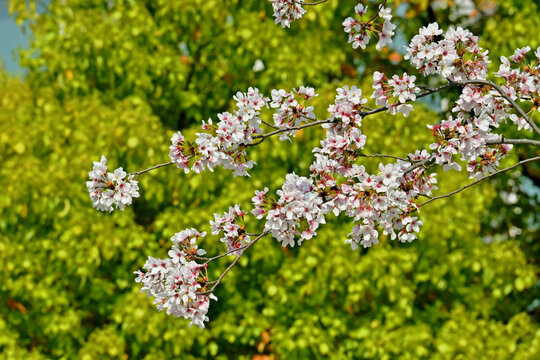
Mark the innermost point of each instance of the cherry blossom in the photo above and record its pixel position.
(222, 144)
(384, 201)
(394, 93)
(291, 109)
(232, 225)
(109, 190)
(359, 30)
(286, 11)
(447, 56)
(178, 283)
(298, 212)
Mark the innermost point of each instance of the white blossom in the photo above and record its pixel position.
(109, 190)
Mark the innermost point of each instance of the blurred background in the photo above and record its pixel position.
(81, 78)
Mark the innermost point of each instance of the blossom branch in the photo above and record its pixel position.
(384, 199)
(537, 158)
(363, 114)
(428, 91)
(492, 142)
(506, 97)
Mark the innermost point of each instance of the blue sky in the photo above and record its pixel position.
(11, 37)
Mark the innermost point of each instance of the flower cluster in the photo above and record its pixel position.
(108, 190)
(178, 283)
(338, 184)
(481, 108)
(222, 144)
(348, 106)
(522, 78)
(460, 135)
(291, 109)
(359, 30)
(298, 212)
(386, 199)
(286, 11)
(234, 230)
(456, 56)
(395, 93)
(342, 142)
(343, 136)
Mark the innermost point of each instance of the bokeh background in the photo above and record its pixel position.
(82, 78)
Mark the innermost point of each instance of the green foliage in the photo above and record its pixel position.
(184, 58)
(115, 81)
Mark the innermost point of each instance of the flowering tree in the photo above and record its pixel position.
(387, 201)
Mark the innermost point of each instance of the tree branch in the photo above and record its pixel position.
(292, 128)
(262, 137)
(268, 124)
(218, 281)
(421, 95)
(224, 254)
(311, 4)
(381, 155)
(152, 168)
(477, 181)
(514, 141)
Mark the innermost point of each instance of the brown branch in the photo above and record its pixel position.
(477, 181)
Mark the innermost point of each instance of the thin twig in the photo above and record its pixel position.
(513, 141)
(418, 164)
(218, 281)
(152, 168)
(292, 128)
(477, 181)
(381, 6)
(381, 155)
(225, 254)
(268, 124)
(311, 4)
